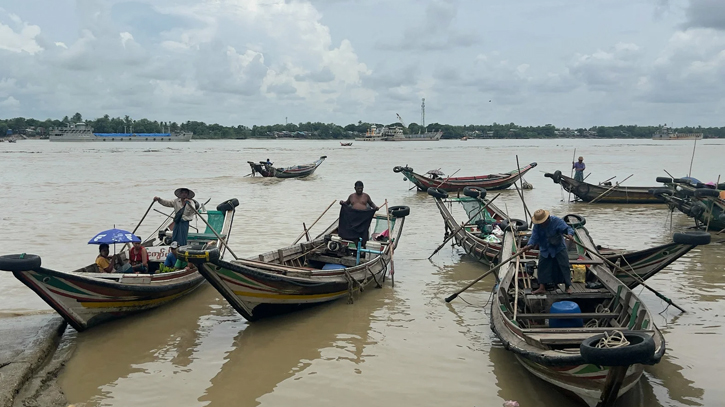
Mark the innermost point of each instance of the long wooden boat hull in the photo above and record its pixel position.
(552, 353)
(273, 283)
(89, 299)
(454, 184)
(619, 194)
(643, 263)
(298, 171)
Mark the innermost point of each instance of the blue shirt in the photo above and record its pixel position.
(541, 234)
(579, 166)
(170, 260)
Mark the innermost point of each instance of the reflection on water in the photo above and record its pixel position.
(401, 345)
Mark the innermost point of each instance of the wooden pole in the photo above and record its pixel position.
(694, 147)
(390, 245)
(305, 232)
(516, 255)
(462, 226)
(571, 174)
(217, 235)
(610, 189)
(634, 276)
(521, 192)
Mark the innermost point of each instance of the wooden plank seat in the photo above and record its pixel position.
(583, 315)
(347, 261)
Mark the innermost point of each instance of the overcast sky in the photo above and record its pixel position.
(573, 63)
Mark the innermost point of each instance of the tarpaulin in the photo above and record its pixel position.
(354, 223)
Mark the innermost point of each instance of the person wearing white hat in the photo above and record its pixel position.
(184, 202)
(553, 257)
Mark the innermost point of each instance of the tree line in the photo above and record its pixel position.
(317, 130)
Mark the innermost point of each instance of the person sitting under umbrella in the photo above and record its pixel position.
(184, 202)
(105, 263)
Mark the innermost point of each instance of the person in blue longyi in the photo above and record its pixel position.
(579, 168)
(548, 235)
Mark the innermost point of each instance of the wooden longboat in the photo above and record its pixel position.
(325, 269)
(453, 184)
(86, 297)
(704, 205)
(644, 263)
(555, 354)
(295, 171)
(618, 194)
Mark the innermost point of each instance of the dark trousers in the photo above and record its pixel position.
(180, 233)
(555, 270)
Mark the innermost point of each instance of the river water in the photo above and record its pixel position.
(400, 345)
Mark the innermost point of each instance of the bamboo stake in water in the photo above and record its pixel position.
(390, 245)
(571, 173)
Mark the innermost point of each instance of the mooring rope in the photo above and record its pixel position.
(615, 340)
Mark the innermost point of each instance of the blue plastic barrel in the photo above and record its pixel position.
(565, 307)
(333, 266)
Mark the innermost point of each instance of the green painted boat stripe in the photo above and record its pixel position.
(616, 299)
(589, 369)
(57, 283)
(633, 317)
(237, 277)
(645, 324)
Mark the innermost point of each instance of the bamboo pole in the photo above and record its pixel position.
(222, 241)
(453, 296)
(462, 226)
(313, 223)
(610, 189)
(571, 173)
(390, 245)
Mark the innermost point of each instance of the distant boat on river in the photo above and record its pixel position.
(83, 132)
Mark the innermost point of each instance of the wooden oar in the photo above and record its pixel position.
(144, 216)
(462, 226)
(171, 217)
(217, 236)
(313, 223)
(610, 189)
(634, 276)
(443, 182)
(515, 256)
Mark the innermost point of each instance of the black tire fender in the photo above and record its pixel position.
(228, 205)
(695, 237)
(19, 262)
(664, 180)
(198, 256)
(701, 192)
(397, 168)
(437, 193)
(581, 190)
(579, 221)
(640, 350)
(556, 176)
(399, 211)
(475, 192)
(516, 225)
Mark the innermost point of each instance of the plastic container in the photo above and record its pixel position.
(578, 273)
(333, 266)
(565, 307)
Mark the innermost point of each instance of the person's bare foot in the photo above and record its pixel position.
(569, 290)
(540, 290)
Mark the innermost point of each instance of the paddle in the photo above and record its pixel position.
(515, 256)
(462, 226)
(313, 223)
(610, 189)
(139, 223)
(169, 216)
(634, 276)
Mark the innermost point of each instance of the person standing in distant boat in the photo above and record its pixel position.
(184, 202)
(579, 168)
(360, 200)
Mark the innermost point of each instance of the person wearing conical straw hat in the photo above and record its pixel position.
(553, 257)
(184, 202)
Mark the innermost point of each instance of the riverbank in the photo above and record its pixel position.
(29, 362)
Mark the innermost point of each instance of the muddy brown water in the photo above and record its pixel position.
(398, 345)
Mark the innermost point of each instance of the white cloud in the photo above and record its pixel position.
(22, 40)
(10, 102)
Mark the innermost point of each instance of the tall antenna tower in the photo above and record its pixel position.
(422, 113)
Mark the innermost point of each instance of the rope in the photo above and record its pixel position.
(594, 323)
(615, 340)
